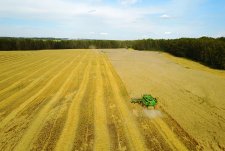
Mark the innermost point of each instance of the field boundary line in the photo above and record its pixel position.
(133, 134)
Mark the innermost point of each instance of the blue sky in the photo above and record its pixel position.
(112, 19)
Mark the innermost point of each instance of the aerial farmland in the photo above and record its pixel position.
(76, 100)
(112, 75)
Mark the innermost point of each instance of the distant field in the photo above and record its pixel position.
(75, 100)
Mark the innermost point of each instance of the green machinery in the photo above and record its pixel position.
(146, 100)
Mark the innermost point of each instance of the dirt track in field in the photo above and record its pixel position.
(74, 100)
(192, 95)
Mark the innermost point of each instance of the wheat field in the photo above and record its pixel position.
(74, 100)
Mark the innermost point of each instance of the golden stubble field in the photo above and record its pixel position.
(192, 94)
(75, 100)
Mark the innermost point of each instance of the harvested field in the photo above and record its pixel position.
(75, 100)
(192, 95)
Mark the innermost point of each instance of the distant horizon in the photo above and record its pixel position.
(111, 39)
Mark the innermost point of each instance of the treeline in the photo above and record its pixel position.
(39, 44)
(209, 51)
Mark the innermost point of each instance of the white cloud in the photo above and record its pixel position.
(80, 15)
(59, 9)
(167, 33)
(91, 11)
(165, 16)
(128, 2)
(103, 33)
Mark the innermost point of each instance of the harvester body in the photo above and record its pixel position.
(146, 100)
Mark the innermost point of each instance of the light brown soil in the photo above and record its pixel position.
(191, 95)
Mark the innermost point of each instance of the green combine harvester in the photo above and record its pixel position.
(146, 100)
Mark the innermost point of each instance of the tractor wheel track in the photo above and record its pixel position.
(23, 92)
(18, 68)
(14, 84)
(15, 74)
(12, 124)
(37, 124)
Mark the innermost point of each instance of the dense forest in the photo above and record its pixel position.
(51, 43)
(209, 51)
